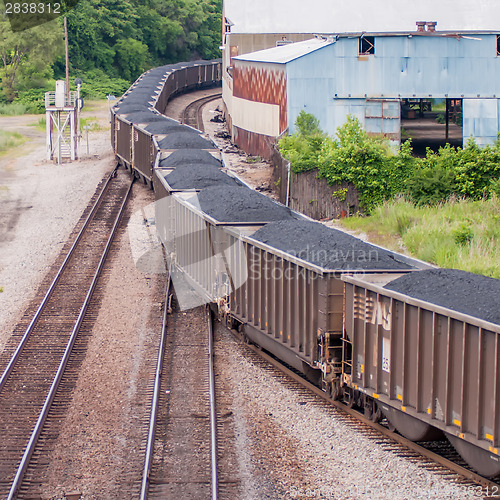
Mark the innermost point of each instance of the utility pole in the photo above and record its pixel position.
(67, 56)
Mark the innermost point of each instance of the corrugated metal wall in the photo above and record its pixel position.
(263, 83)
(335, 81)
(481, 120)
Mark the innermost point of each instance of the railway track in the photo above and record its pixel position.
(32, 384)
(437, 456)
(181, 451)
(192, 114)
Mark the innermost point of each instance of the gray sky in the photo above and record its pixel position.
(340, 16)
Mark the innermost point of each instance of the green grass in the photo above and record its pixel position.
(16, 108)
(10, 140)
(457, 234)
(40, 124)
(90, 121)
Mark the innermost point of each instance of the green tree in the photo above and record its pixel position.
(131, 57)
(27, 56)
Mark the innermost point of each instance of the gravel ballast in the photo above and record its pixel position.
(326, 247)
(196, 176)
(468, 293)
(183, 157)
(40, 203)
(240, 204)
(309, 449)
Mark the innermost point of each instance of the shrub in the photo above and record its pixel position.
(13, 108)
(97, 85)
(430, 185)
(307, 124)
(33, 99)
(378, 173)
(365, 161)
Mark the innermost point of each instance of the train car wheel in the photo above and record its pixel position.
(485, 463)
(376, 412)
(367, 405)
(410, 427)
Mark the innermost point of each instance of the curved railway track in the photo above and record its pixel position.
(192, 114)
(436, 456)
(32, 376)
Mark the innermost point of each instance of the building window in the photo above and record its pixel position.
(382, 116)
(366, 45)
(498, 45)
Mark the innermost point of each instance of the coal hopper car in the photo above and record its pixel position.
(425, 350)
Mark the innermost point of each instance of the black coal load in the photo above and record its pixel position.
(151, 85)
(185, 140)
(239, 204)
(165, 127)
(138, 99)
(159, 71)
(196, 176)
(326, 247)
(130, 108)
(144, 117)
(142, 92)
(468, 293)
(183, 157)
(152, 75)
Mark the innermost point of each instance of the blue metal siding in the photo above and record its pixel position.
(405, 66)
(309, 85)
(402, 66)
(480, 120)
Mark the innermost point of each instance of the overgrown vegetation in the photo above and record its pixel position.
(443, 209)
(460, 234)
(111, 42)
(9, 140)
(379, 173)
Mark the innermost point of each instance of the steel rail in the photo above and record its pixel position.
(199, 111)
(213, 412)
(415, 447)
(29, 329)
(30, 447)
(198, 104)
(156, 396)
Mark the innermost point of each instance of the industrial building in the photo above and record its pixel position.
(371, 65)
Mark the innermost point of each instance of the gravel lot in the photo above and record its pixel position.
(40, 203)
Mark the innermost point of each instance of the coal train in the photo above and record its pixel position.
(389, 334)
